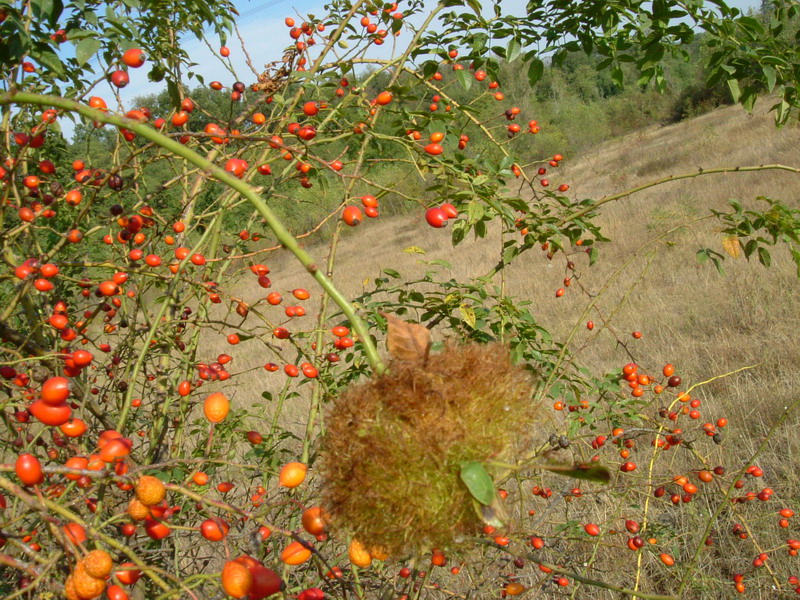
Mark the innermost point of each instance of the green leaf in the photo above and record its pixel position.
(392, 273)
(617, 75)
(429, 68)
(478, 44)
(513, 50)
(460, 229)
(769, 73)
(49, 59)
(464, 78)
(751, 25)
(585, 471)
(645, 77)
(41, 8)
(510, 252)
(764, 257)
(49, 10)
(85, 49)
(475, 212)
(652, 56)
(157, 73)
(475, 6)
(478, 482)
(517, 204)
(718, 265)
(79, 34)
(593, 254)
(535, 71)
(782, 112)
(174, 93)
(796, 258)
(505, 163)
(736, 93)
(749, 97)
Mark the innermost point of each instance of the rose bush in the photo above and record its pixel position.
(131, 467)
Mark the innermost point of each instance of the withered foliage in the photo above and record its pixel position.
(394, 445)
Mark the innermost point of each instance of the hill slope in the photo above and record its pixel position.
(689, 315)
(706, 324)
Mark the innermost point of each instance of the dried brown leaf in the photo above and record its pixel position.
(407, 341)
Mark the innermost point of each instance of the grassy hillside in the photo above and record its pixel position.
(705, 323)
(674, 301)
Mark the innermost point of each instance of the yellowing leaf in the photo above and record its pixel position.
(492, 514)
(468, 314)
(414, 250)
(731, 245)
(407, 341)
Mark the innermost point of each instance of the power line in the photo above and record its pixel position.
(258, 9)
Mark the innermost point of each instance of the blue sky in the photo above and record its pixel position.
(262, 27)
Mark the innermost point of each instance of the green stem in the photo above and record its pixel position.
(607, 586)
(579, 213)
(131, 376)
(316, 396)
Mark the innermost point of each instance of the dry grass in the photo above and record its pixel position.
(704, 323)
(671, 306)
